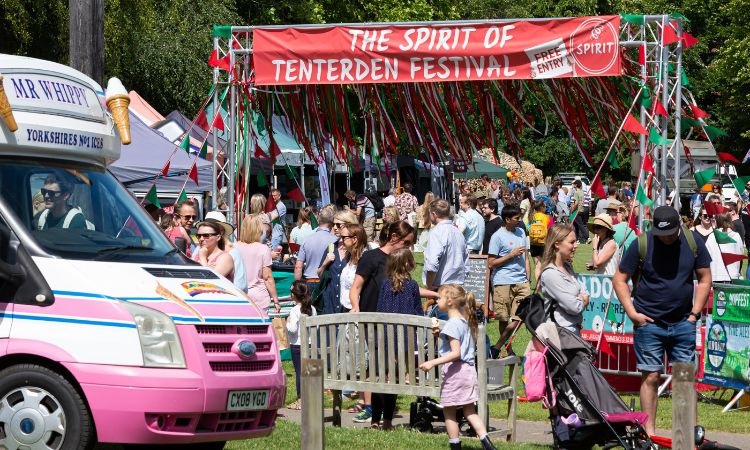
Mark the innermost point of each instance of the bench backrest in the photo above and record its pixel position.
(373, 352)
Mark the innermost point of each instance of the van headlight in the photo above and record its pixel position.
(160, 343)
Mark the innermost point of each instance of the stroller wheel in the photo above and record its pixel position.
(422, 424)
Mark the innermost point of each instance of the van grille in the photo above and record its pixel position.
(211, 347)
(241, 366)
(217, 343)
(163, 272)
(231, 329)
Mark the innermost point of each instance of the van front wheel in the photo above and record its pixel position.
(40, 409)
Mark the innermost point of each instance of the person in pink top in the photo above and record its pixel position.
(211, 252)
(257, 257)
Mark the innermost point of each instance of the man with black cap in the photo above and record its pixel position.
(663, 310)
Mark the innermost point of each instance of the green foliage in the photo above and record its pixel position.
(35, 28)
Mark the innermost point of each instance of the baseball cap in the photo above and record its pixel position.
(666, 221)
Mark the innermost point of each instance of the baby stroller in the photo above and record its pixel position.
(584, 409)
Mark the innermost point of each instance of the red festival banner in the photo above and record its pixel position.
(523, 49)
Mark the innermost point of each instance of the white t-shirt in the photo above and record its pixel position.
(292, 323)
(346, 281)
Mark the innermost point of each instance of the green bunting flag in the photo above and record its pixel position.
(688, 122)
(713, 132)
(612, 315)
(289, 172)
(657, 139)
(573, 215)
(685, 80)
(153, 197)
(262, 179)
(222, 31)
(645, 100)
(704, 176)
(313, 221)
(739, 182)
(642, 198)
(185, 144)
(633, 18)
(612, 160)
(204, 149)
(723, 238)
(182, 197)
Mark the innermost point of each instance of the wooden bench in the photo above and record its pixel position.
(398, 338)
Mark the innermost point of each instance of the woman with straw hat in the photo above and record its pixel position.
(211, 253)
(604, 258)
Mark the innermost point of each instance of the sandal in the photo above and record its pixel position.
(358, 408)
(297, 404)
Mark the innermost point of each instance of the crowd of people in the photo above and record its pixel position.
(344, 262)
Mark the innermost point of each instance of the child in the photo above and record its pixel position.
(460, 387)
(303, 305)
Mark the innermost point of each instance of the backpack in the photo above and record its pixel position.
(537, 232)
(548, 203)
(643, 251)
(538, 380)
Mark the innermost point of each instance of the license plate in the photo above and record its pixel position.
(247, 400)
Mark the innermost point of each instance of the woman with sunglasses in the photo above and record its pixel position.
(334, 262)
(211, 252)
(720, 272)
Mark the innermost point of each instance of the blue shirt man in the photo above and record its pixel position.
(445, 255)
(471, 224)
(277, 232)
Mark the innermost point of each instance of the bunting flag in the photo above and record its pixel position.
(688, 40)
(612, 160)
(739, 182)
(684, 80)
(689, 158)
(659, 108)
(612, 315)
(698, 113)
(259, 153)
(642, 198)
(221, 63)
(182, 197)
(165, 169)
(597, 188)
(262, 179)
(289, 172)
(572, 215)
(218, 122)
(204, 150)
(656, 138)
(727, 157)
(296, 195)
(704, 176)
(153, 197)
(632, 125)
(270, 204)
(313, 220)
(202, 121)
(604, 346)
(713, 209)
(632, 225)
(193, 175)
(731, 258)
(669, 35)
(648, 165)
(723, 238)
(714, 133)
(185, 144)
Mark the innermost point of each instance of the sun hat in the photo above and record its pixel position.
(603, 220)
(216, 217)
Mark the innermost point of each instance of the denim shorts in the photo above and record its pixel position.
(652, 340)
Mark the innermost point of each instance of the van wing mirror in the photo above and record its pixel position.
(22, 280)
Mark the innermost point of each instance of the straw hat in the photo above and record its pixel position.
(604, 220)
(217, 217)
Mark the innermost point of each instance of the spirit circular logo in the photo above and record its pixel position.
(716, 346)
(595, 46)
(721, 303)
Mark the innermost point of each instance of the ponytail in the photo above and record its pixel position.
(301, 294)
(470, 313)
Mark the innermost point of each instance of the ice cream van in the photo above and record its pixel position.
(107, 332)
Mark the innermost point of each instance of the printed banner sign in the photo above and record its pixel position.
(522, 49)
(726, 354)
(599, 288)
(731, 303)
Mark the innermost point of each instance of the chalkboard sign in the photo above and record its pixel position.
(478, 277)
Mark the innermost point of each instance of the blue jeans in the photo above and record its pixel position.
(296, 362)
(652, 340)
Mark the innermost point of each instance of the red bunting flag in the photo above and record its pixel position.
(259, 153)
(698, 113)
(669, 35)
(642, 55)
(632, 125)
(194, 173)
(730, 258)
(727, 157)
(648, 164)
(688, 40)
(605, 348)
(270, 204)
(165, 169)
(218, 122)
(221, 63)
(597, 188)
(202, 121)
(276, 151)
(659, 108)
(296, 195)
(631, 224)
(713, 209)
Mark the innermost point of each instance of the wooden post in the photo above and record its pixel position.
(683, 406)
(483, 409)
(312, 404)
(86, 40)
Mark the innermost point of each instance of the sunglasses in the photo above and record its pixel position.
(188, 216)
(705, 216)
(347, 236)
(206, 235)
(51, 193)
(339, 225)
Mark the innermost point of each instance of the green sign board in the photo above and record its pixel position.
(727, 354)
(731, 303)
